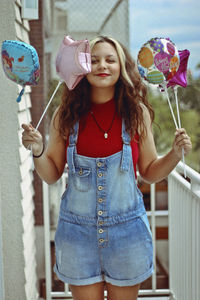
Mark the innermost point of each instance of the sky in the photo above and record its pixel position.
(177, 19)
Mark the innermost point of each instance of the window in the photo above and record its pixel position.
(30, 9)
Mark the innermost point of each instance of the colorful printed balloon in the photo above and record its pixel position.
(158, 60)
(20, 63)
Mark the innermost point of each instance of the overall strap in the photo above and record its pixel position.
(72, 148)
(126, 151)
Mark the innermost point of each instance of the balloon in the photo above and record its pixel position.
(73, 61)
(158, 60)
(20, 63)
(180, 77)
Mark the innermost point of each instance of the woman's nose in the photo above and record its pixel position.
(102, 64)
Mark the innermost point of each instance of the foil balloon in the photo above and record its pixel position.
(73, 61)
(20, 63)
(158, 60)
(180, 77)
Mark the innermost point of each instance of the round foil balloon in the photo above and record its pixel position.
(20, 63)
(158, 60)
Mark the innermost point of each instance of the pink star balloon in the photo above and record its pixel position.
(73, 61)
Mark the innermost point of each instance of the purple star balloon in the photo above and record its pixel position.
(180, 78)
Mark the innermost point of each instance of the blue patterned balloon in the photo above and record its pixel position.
(20, 63)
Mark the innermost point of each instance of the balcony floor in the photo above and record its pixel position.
(153, 298)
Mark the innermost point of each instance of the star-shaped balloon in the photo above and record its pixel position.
(180, 78)
(73, 61)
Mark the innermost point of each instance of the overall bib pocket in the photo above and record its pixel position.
(82, 178)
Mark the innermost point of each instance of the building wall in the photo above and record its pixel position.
(118, 24)
(38, 100)
(17, 208)
(2, 291)
(40, 31)
(79, 24)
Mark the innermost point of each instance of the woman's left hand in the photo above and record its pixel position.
(181, 141)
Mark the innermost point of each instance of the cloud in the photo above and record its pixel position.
(177, 19)
(175, 30)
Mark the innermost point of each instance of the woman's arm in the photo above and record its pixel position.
(51, 164)
(152, 168)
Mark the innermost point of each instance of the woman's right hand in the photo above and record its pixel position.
(32, 139)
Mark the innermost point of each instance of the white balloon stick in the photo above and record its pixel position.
(50, 100)
(179, 123)
(171, 109)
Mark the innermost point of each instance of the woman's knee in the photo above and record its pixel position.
(88, 292)
(121, 293)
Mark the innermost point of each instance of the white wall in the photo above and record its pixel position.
(11, 209)
(17, 220)
(2, 291)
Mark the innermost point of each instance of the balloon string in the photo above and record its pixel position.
(179, 123)
(59, 83)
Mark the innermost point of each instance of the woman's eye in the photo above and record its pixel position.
(111, 61)
(94, 61)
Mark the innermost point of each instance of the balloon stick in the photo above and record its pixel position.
(170, 106)
(177, 107)
(179, 124)
(50, 100)
(30, 147)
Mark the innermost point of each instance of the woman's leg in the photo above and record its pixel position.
(122, 293)
(88, 292)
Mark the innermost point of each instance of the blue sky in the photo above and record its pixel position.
(177, 19)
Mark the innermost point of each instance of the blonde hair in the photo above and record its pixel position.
(120, 52)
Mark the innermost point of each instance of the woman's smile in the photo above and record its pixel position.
(103, 75)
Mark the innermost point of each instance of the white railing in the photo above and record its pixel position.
(184, 234)
(60, 187)
(184, 246)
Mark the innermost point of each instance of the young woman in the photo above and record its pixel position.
(103, 130)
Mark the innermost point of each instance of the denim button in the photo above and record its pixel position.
(99, 164)
(100, 174)
(101, 222)
(100, 188)
(100, 213)
(100, 200)
(80, 172)
(100, 230)
(101, 240)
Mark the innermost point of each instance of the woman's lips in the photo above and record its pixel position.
(103, 75)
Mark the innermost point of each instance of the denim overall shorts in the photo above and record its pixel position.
(103, 232)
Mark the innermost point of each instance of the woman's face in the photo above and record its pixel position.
(105, 66)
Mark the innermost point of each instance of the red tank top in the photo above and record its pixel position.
(91, 141)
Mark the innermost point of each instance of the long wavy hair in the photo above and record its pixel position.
(130, 93)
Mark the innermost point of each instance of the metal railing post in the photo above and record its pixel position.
(153, 229)
(47, 240)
